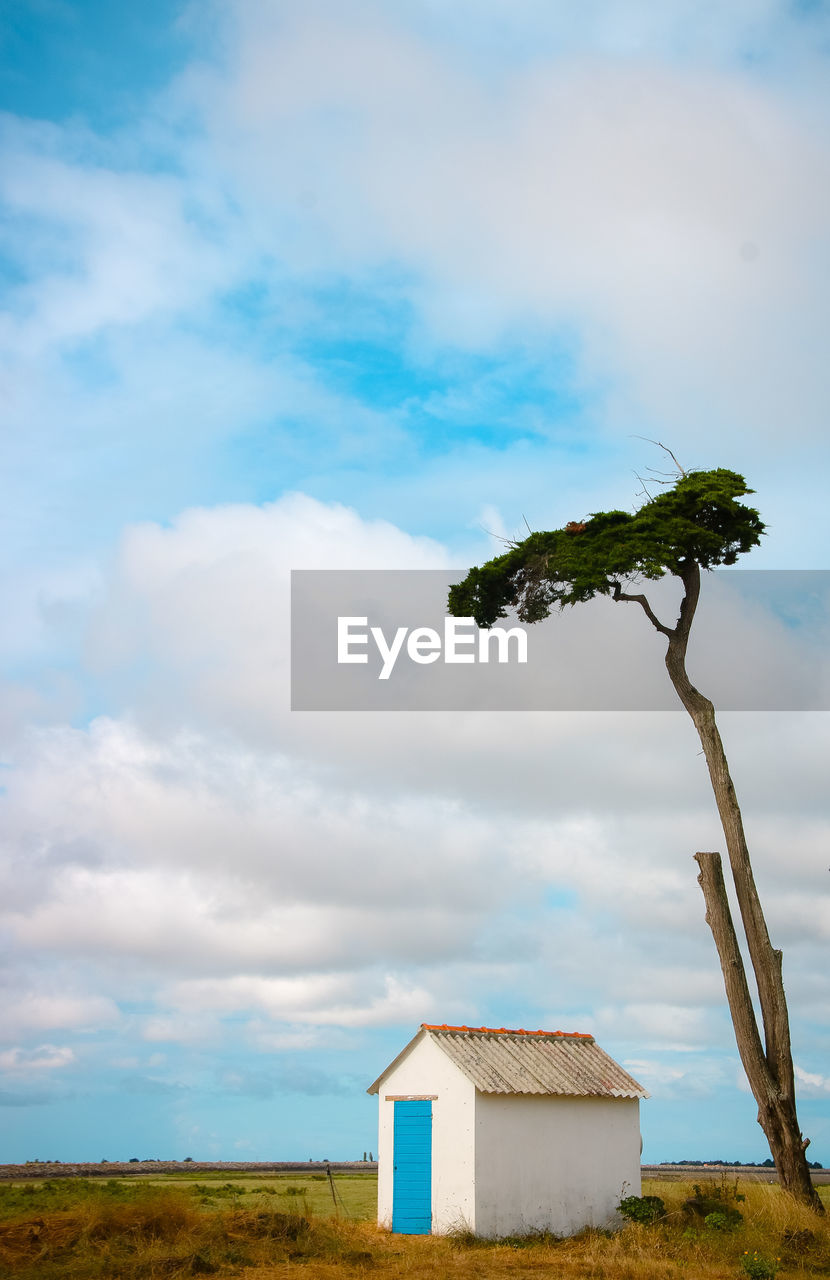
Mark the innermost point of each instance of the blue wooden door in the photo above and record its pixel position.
(412, 1187)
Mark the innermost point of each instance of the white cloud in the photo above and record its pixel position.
(218, 579)
(811, 1084)
(399, 1002)
(105, 246)
(654, 1071)
(216, 857)
(46, 1057)
(679, 1027)
(674, 215)
(694, 1075)
(191, 1029)
(36, 1011)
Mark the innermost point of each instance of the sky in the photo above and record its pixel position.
(373, 284)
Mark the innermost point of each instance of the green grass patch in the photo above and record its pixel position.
(356, 1194)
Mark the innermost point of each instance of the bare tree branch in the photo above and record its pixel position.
(681, 470)
(644, 482)
(641, 600)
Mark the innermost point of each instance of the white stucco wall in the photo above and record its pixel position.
(424, 1071)
(556, 1164)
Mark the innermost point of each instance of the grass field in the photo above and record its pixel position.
(261, 1228)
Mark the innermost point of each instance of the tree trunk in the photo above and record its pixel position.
(771, 1075)
(776, 1114)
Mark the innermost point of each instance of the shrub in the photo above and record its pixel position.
(712, 1204)
(722, 1221)
(758, 1267)
(642, 1208)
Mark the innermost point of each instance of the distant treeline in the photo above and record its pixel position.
(735, 1164)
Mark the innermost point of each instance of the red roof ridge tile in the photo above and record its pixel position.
(507, 1031)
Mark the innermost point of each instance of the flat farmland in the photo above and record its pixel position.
(262, 1224)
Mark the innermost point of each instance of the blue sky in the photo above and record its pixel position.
(361, 285)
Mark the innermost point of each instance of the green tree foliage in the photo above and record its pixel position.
(699, 520)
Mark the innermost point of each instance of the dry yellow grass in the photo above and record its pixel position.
(154, 1232)
(773, 1224)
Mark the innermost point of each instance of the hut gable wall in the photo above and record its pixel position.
(423, 1071)
(556, 1164)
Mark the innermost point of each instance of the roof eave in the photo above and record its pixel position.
(419, 1035)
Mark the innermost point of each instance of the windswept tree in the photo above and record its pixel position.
(698, 523)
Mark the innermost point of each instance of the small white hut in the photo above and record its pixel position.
(505, 1132)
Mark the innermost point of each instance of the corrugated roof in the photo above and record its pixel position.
(535, 1062)
(498, 1060)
